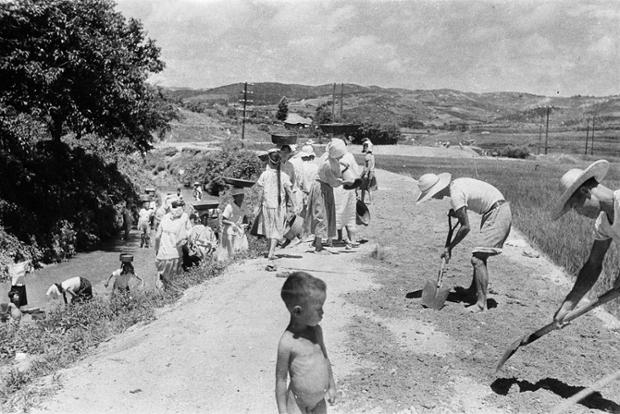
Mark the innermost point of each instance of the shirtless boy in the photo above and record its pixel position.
(301, 351)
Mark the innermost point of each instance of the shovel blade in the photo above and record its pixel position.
(428, 293)
(432, 297)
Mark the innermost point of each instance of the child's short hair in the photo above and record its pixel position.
(298, 286)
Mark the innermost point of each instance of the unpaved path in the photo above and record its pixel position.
(214, 351)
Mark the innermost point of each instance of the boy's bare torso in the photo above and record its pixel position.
(308, 368)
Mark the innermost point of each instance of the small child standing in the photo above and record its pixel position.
(122, 277)
(144, 219)
(301, 351)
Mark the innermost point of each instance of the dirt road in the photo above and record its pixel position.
(214, 351)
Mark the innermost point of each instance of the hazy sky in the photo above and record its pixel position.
(542, 47)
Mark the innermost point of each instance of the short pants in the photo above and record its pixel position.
(494, 229)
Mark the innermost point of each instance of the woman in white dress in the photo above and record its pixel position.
(233, 239)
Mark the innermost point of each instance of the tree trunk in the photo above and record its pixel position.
(55, 127)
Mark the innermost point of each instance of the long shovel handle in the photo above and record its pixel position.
(528, 339)
(442, 270)
(451, 229)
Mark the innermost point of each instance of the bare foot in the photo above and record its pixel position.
(322, 251)
(475, 309)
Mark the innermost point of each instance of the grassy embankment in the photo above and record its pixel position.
(67, 333)
(531, 186)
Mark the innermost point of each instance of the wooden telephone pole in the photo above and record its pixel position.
(547, 132)
(540, 133)
(592, 137)
(333, 102)
(341, 98)
(244, 101)
(587, 133)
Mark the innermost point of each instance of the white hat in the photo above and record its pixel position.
(307, 151)
(336, 148)
(430, 184)
(572, 180)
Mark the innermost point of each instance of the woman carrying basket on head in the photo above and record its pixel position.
(274, 186)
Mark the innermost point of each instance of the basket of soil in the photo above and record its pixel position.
(206, 205)
(284, 139)
(239, 183)
(126, 257)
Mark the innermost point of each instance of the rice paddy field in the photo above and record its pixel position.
(531, 186)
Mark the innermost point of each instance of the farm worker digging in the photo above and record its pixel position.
(582, 191)
(482, 198)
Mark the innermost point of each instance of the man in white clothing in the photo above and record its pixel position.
(480, 197)
(582, 192)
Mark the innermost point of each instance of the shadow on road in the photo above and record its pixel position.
(595, 400)
(458, 296)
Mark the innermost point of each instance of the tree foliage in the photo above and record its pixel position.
(379, 134)
(80, 66)
(323, 114)
(282, 109)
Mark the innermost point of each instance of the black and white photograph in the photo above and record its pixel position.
(309, 206)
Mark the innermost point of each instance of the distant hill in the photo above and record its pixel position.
(432, 107)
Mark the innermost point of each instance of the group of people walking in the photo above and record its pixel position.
(320, 191)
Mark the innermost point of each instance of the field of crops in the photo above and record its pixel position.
(531, 186)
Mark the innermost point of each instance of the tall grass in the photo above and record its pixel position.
(531, 186)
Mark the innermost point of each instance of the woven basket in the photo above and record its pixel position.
(281, 139)
(126, 258)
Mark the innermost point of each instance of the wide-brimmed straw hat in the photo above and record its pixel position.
(572, 180)
(430, 184)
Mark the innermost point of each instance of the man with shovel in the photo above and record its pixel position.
(482, 198)
(582, 192)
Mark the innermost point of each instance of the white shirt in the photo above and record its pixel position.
(602, 229)
(144, 215)
(72, 284)
(170, 232)
(268, 180)
(309, 174)
(478, 196)
(17, 272)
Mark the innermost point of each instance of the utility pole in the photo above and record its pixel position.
(341, 98)
(540, 133)
(245, 101)
(333, 103)
(592, 137)
(587, 133)
(547, 132)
